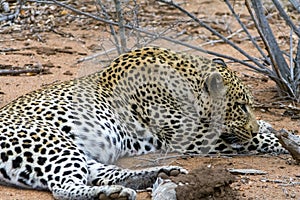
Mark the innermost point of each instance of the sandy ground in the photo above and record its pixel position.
(60, 49)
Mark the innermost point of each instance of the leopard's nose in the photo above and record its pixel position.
(252, 124)
(255, 127)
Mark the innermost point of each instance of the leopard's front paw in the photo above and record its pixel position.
(119, 192)
(168, 171)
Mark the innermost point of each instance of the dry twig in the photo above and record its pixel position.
(15, 72)
(155, 35)
(290, 142)
(90, 57)
(112, 29)
(4, 6)
(12, 16)
(122, 34)
(261, 68)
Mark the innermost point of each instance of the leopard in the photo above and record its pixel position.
(66, 137)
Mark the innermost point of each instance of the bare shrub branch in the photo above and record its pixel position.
(14, 15)
(262, 68)
(286, 18)
(122, 34)
(155, 36)
(112, 29)
(4, 6)
(286, 77)
(296, 4)
(246, 30)
(14, 72)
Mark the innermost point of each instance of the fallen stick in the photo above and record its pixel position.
(290, 142)
(14, 72)
(247, 171)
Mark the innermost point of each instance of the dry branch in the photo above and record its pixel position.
(282, 75)
(156, 35)
(122, 34)
(14, 72)
(14, 15)
(4, 6)
(296, 4)
(112, 29)
(247, 171)
(286, 17)
(90, 57)
(290, 142)
(286, 77)
(270, 41)
(261, 68)
(246, 30)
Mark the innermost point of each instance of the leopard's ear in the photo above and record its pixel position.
(214, 85)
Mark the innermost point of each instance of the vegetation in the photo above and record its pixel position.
(126, 23)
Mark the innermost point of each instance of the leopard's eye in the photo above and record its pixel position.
(243, 107)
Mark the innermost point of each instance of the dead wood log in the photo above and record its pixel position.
(15, 72)
(289, 141)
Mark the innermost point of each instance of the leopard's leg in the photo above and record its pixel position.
(101, 174)
(265, 141)
(51, 162)
(69, 180)
(73, 190)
